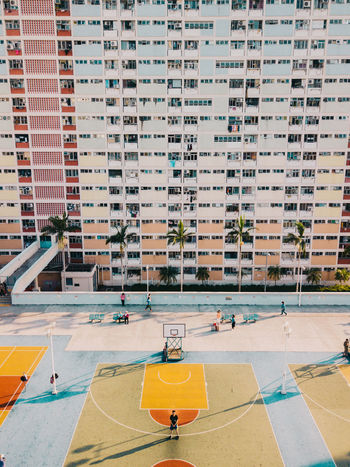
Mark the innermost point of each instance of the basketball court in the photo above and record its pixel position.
(222, 417)
(14, 361)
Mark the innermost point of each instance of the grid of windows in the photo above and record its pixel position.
(216, 110)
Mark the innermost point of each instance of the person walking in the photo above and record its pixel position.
(346, 348)
(122, 298)
(2, 460)
(148, 301)
(126, 317)
(283, 309)
(233, 321)
(173, 425)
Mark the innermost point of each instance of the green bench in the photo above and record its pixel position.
(118, 317)
(226, 317)
(250, 317)
(96, 317)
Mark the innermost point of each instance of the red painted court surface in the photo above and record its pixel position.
(14, 361)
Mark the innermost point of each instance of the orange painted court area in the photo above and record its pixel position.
(14, 361)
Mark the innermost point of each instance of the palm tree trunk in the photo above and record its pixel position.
(64, 257)
(122, 271)
(298, 273)
(239, 265)
(181, 271)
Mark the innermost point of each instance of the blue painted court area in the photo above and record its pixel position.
(39, 429)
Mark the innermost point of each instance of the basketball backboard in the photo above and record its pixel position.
(174, 330)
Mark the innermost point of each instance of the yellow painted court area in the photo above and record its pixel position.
(18, 360)
(345, 370)
(169, 386)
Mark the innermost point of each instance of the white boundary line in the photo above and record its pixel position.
(8, 356)
(178, 408)
(3, 410)
(308, 408)
(143, 385)
(78, 419)
(181, 382)
(22, 348)
(161, 435)
(206, 387)
(267, 413)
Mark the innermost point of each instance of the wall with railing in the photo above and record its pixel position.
(187, 298)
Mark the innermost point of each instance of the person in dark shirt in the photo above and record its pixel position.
(173, 425)
(233, 321)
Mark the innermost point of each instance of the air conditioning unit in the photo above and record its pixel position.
(307, 4)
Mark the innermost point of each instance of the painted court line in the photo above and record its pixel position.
(9, 402)
(162, 435)
(347, 420)
(267, 413)
(9, 355)
(81, 411)
(181, 382)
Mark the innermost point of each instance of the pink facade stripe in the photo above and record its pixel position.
(34, 27)
(46, 141)
(49, 192)
(42, 86)
(50, 209)
(41, 67)
(37, 7)
(48, 175)
(47, 158)
(43, 104)
(47, 122)
(39, 47)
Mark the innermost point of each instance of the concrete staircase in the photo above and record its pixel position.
(11, 280)
(5, 301)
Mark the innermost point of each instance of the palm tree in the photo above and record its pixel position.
(179, 235)
(120, 238)
(59, 226)
(342, 275)
(274, 273)
(202, 274)
(313, 276)
(299, 242)
(168, 274)
(239, 235)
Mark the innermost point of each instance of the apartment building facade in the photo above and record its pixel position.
(146, 112)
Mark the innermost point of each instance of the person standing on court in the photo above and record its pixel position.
(173, 424)
(283, 309)
(233, 321)
(126, 317)
(24, 379)
(346, 348)
(148, 301)
(122, 298)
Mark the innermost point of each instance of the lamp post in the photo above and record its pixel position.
(49, 335)
(286, 331)
(147, 278)
(266, 256)
(301, 283)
